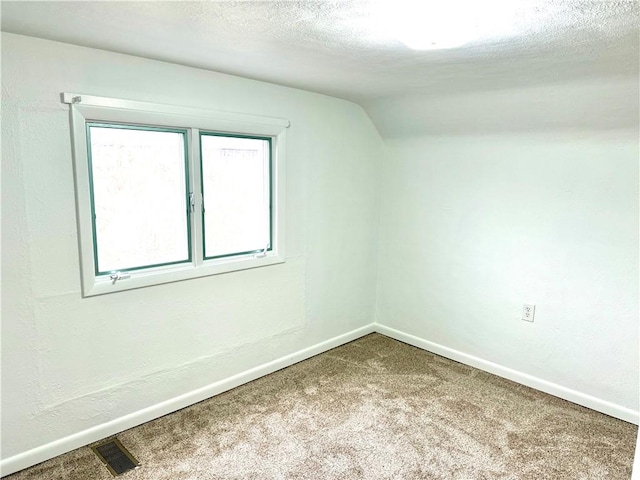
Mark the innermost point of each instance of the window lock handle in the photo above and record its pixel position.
(115, 276)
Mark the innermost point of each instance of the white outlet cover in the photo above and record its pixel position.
(528, 312)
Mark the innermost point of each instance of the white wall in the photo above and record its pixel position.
(517, 208)
(579, 107)
(70, 363)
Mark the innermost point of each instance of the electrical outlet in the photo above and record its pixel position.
(528, 312)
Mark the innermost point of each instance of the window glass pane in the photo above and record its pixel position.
(140, 197)
(236, 194)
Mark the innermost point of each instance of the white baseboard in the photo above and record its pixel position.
(599, 405)
(45, 452)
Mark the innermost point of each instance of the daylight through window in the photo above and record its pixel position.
(170, 193)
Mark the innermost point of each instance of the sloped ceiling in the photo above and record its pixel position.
(345, 48)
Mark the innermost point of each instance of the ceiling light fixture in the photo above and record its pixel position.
(441, 24)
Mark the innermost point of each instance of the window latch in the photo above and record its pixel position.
(192, 201)
(115, 276)
(262, 253)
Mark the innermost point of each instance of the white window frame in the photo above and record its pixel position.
(88, 108)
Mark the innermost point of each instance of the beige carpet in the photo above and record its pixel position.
(372, 409)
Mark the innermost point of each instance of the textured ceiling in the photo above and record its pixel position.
(345, 48)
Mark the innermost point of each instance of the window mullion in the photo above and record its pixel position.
(196, 190)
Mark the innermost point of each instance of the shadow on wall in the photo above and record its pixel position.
(595, 105)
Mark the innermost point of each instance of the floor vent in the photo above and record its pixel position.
(115, 457)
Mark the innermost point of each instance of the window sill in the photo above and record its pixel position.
(148, 277)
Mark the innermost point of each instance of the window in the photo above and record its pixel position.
(139, 189)
(237, 195)
(169, 193)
